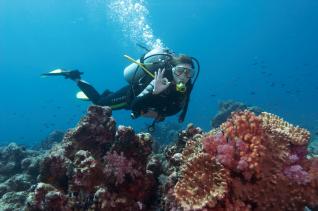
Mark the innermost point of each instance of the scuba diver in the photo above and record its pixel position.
(160, 84)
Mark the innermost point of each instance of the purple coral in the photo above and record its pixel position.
(297, 174)
(225, 155)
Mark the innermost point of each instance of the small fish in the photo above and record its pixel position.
(212, 95)
(252, 93)
(272, 84)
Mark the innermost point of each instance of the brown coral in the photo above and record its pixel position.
(281, 129)
(192, 148)
(204, 182)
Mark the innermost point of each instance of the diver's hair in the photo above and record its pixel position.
(182, 59)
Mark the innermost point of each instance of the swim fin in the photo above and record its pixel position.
(72, 74)
(81, 96)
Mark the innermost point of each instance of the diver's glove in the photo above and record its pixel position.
(160, 83)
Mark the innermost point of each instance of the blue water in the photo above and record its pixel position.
(262, 53)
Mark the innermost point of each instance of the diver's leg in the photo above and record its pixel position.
(117, 100)
(89, 91)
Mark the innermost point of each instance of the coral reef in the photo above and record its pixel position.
(19, 169)
(249, 163)
(96, 167)
(227, 107)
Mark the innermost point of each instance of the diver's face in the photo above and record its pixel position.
(182, 73)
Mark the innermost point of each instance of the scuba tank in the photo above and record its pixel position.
(141, 71)
(152, 60)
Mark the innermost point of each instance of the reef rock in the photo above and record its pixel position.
(53, 138)
(19, 169)
(96, 167)
(229, 106)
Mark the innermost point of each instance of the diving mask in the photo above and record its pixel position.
(183, 69)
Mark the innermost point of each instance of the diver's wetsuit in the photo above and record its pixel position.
(167, 103)
(116, 100)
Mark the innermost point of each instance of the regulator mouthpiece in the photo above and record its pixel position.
(181, 87)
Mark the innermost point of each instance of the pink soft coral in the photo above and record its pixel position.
(225, 155)
(118, 166)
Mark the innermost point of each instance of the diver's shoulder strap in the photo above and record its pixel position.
(185, 107)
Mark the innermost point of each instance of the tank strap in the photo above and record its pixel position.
(142, 58)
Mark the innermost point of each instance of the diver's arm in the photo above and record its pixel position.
(142, 100)
(157, 85)
(141, 104)
(147, 98)
(148, 90)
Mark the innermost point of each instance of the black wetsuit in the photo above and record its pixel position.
(167, 103)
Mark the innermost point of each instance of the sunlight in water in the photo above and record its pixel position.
(132, 17)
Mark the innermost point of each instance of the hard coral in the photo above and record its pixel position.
(283, 130)
(192, 191)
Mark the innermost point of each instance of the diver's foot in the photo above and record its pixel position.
(73, 75)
